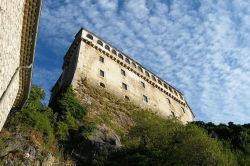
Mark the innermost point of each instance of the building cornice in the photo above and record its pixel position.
(31, 15)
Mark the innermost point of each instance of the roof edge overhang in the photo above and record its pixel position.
(32, 10)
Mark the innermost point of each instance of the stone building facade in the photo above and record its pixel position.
(103, 65)
(18, 22)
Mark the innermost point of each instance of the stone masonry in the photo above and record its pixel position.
(16, 18)
(91, 58)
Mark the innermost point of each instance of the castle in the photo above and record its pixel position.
(19, 23)
(104, 66)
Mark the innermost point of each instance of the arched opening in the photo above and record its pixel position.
(120, 56)
(133, 64)
(89, 36)
(114, 52)
(107, 47)
(147, 74)
(153, 77)
(127, 60)
(99, 42)
(102, 84)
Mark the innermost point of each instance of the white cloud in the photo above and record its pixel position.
(201, 47)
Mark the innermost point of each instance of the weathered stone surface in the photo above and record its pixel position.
(83, 61)
(11, 19)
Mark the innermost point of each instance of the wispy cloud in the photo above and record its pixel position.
(200, 47)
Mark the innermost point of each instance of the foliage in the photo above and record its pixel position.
(34, 116)
(157, 141)
(235, 137)
(71, 113)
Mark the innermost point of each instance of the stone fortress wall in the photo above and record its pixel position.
(103, 65)
(18, 22)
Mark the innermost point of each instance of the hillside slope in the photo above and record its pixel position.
(89, 126)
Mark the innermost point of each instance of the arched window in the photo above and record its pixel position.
(102, 84)
(175, 92)
(133, 64)
(140, 69)
(114, 52)
(99, 42)
(127, 60)
(89, 36)
(170, 89)
(181, 97)
(153, 77)
(159, 81)
(147, 74)
(120, 56)
(107, 47)
(165, 85)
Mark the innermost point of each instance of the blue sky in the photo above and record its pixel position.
(202, 47)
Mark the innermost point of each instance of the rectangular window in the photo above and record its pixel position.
(173, 114)
(101, 59)
(124, 86)
(183, 110)
(143, 84)
(102, 73)
(145, 98)
(123, 72)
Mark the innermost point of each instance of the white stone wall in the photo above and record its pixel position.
(11, 19)
(84, 63)
(88, 65)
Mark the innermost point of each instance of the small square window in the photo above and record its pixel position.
(173, 114)
(183, 110)
(101, 59)
(145, 98)
(143, 84)
(102, 73)
(124, 86)
(169, 102)
(123, 72)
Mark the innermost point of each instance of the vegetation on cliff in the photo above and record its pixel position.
(90, 126)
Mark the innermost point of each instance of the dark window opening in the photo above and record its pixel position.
(159, 82)
(114, 52)
(102, 73)
(89, 36)
(183, 110)
(170, 89)
(107, 47)
(127, 98)
(147, 74)
(153, 78)
(143, 84)
(165, 85)
(181, 97)
(124, 86)
(169, 102)
(99, 42)
(120, 56)
(123, 72)
(102, 84)
(101, 59)
(175, 92)
(134, 65)
(140, 69)
(145, 98)
(127, 60)
(173, 114)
